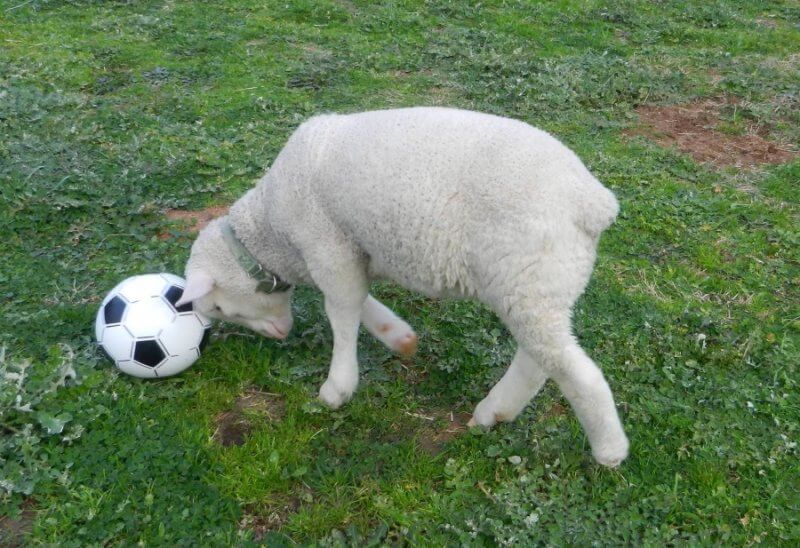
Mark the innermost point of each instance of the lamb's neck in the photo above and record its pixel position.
(253, 228)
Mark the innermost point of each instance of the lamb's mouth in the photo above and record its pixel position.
(271, 330)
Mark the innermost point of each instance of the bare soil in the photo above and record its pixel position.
(266, 404)
(693, 128)
(234, 426)
(261, 520)
(273, 514)
(555, 410)
(438, 428)
(198, 219)
(13, 531)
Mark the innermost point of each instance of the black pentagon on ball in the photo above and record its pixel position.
(173, 295)
(113, 310)
(148, 353)
(204, 340)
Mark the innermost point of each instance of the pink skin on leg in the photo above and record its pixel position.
(385, 326)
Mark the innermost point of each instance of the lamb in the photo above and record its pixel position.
(446, 202)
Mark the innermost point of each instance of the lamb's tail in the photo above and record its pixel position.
(599, 211)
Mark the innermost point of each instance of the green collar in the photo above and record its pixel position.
(267, 281)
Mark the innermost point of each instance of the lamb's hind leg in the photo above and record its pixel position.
(385, 326)
(521, 382)
(533, 288)
(546, 335)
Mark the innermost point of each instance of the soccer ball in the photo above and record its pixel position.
(144, 333)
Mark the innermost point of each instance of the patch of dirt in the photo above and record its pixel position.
(402, 73)
(13, 531)
(234, 426)
(556, 410)
(714, 76)
(769, 23)
(692, 128)
(260, 525)
(261, 521)
(266, 404)
(195, 220)
(439, 427)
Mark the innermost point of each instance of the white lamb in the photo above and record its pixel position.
(446, 202)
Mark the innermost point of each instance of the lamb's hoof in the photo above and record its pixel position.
(611, 455)
(399, 337)
(406, 345)
(333, 396)
(487, 415)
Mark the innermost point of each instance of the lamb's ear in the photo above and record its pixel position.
(198, 285)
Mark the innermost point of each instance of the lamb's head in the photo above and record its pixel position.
(220, 288)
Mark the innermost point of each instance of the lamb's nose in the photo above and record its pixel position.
(284, 325)
(276, 329)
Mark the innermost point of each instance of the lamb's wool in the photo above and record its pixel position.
(426, 194)
(448, 203)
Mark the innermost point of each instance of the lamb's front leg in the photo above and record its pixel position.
(339, 271)
(345, 317)
(385, 326)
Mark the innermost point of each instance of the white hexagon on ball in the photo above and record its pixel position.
(99, 325)
(205, 320)
(172, 279)
(130, 367)
(176, 364)
(182, 335)
(117, 342)
(142, 287)
(146, 318)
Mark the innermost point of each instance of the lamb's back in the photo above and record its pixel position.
(413, 187)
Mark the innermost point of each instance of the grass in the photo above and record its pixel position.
(111, 112)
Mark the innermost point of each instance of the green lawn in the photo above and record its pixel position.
(112, 112)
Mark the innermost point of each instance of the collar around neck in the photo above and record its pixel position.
(267, 281)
